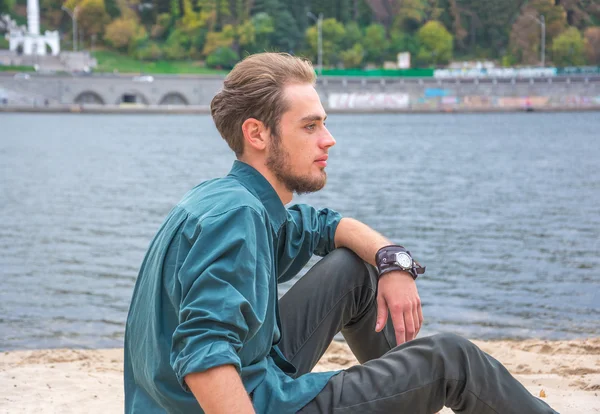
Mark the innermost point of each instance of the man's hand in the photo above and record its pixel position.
(397, 291)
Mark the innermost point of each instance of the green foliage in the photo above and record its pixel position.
(263, 29)
(175, 9)
(334, 34)
(508, 60)
(7, 6)
(124, 34)
(375, 43)
(352, 58)
(177, 45)
(3, 43)
(112, 8)
(286, 36)
(353, 35)
(568, 48)
(16, 68)
(183, 29)
(216, 40)
(555, 16)
(161, 27)
(222, 58)
(411, 15)
(592, 45)
(150, 52)
(246, 36)
(92, 17)
(109, 61)
(402, 42)
(435, 44)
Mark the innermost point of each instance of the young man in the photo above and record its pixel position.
(206, 332)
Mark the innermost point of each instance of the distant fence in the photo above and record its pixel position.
(466, 73)
(579, 70)
(407, 73)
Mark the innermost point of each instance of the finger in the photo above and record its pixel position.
(382, 312)
(399, 326)
(410, 324)
(420, 312)
(416, 321)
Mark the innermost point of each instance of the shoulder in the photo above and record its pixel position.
(221, 198)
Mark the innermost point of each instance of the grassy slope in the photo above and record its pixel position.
(109, 61)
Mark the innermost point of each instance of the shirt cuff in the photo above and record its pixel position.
(210, 356)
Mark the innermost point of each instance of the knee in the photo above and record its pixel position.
(451, 343)
(355, 271)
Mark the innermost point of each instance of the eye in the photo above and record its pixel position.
(311, 127)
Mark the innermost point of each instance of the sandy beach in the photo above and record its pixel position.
(566, 374)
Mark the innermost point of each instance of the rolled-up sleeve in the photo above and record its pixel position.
(307, 231)
(224, 280)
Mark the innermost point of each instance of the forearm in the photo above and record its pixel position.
(220, 390)
(360, 238)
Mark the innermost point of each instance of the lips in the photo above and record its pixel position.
(322, 161)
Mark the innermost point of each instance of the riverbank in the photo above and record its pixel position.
(204, 109)
(565, 373)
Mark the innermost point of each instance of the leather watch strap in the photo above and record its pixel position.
(386, 261)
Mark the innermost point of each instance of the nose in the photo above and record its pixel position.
(327, 141)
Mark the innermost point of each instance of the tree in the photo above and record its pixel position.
(333, 38)
(525, 40)
(286, 36)
(161, 26)
(7, 6)
(352, 58)
(150, 52)
(353, 35)
(222, 58)
(592, 45)
(411, 15)
(435, 44)
(568, 48)
(92, 17)
(263, 29)
(375, 43)
(216, 40)
(525, 33)
(112, 9)
(123, 34)
(402, 42)
(246, 36)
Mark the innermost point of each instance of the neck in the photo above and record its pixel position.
(282, 191)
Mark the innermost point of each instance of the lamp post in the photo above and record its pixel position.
(319, 21)
(73, 15)
(542, 22)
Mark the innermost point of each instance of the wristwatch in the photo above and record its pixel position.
(395, 257)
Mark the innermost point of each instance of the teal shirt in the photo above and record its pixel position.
(206, 295)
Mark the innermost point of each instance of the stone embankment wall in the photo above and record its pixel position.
(337, 94)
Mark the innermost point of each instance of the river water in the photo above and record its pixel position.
(504, 209)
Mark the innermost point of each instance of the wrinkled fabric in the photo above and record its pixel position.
(206, 295)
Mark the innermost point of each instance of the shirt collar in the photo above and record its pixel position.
(258, 185)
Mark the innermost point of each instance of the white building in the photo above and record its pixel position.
(30, 39)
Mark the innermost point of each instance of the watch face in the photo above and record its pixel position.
(404, 260)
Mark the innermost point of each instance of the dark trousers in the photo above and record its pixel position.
(339, 295)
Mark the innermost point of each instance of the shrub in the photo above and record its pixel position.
(222, 58)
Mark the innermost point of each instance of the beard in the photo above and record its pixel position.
(278, 161)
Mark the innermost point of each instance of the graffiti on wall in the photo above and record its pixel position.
(446, 100)
(368, 101)
(495, 73)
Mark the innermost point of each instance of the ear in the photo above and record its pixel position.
(254, 134)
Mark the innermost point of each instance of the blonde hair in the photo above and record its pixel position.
(254, 89)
